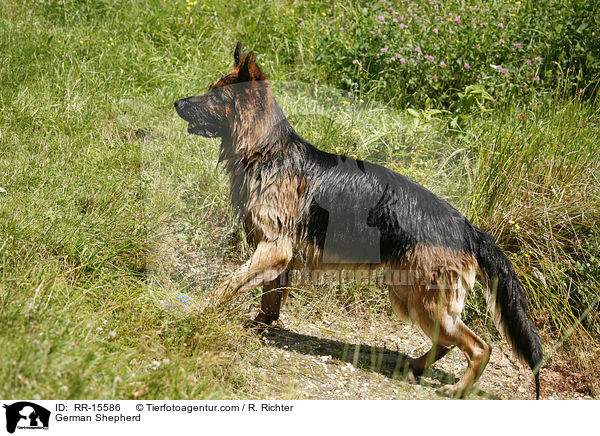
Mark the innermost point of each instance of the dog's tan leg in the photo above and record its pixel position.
(475, 349)
(268, 261)
(432, 296)
(438, 315)
(402, 297)
(420, 364)
(273, 297)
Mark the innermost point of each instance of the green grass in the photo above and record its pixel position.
(81, 93)
(109, 209)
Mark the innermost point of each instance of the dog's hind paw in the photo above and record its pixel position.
(453, 391)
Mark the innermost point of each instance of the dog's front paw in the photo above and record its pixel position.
(253, 324)
(259, 323)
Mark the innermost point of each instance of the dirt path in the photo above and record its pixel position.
(358, 358)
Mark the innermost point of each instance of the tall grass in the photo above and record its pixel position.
(535, 187)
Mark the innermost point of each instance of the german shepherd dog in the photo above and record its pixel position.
(303, 207)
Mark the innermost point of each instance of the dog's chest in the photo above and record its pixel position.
(269, 202)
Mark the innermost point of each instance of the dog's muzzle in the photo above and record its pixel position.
(195, 127)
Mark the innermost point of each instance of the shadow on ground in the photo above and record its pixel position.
(365, 357)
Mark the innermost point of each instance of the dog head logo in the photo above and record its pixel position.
(26, 415)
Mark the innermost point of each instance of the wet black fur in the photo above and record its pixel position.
(404, 213)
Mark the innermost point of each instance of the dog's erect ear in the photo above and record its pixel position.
(249, 70)
(238, 54)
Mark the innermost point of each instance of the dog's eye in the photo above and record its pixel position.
(217, 95)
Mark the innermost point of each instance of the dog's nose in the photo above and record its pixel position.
(179, 104)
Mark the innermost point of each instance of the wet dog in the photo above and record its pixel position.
(303, 207)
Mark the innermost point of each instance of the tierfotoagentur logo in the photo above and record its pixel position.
(24, 415)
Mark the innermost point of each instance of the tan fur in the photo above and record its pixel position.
(276, 209)
(430, 276)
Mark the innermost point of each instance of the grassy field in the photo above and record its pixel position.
(111, 215)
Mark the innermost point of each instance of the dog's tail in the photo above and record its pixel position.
(506, 298)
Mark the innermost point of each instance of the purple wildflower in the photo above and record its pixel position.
(300, 20)
(418, 50)
(384, 49)
(403, 26)
(435, 30)
(355, 61)
(529, 62)
(381, 18)
(539, 59)
(402, 60)
(395, 20)
(398, 56)
(434, 78)
(501, 25)
(502, 41)
(342, 29)
(457, 20)
(504, 70)
(442, 64)
(518, 45)
(536, 78)
(467, 66)
(429, 58)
